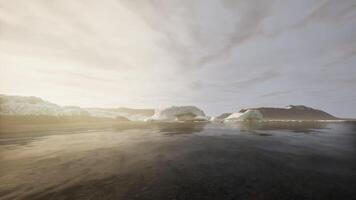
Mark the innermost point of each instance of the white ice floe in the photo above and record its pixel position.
(244, 115)
(220, 118)
(178, 113)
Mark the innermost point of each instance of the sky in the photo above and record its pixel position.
(219, 55)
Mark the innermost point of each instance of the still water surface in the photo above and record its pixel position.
(184, 161)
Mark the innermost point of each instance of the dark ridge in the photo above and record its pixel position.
(294, 113)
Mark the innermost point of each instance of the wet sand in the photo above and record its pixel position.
(182, 161)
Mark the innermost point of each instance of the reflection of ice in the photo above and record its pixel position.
(180, 128)
(306, 126)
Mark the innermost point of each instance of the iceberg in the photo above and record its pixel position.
(74, 111)
(131, 114)
(244, 115)
(221, 117)
(178, 113)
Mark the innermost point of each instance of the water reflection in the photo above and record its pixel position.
(248, 126)
(169, 128)
(298, 127)
(209, 161)
(180, 128)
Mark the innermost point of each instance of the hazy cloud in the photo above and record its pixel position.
(220, 55)
(274, 94)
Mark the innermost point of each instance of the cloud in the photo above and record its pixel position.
(274, 94)
(260, 79)
(217, 54)
(330, 11)
(201, 32)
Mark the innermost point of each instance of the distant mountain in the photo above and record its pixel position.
(22, 105)
(291, 112)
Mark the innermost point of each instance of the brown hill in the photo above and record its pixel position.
(294, 113)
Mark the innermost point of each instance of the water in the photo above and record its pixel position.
(184, 161)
